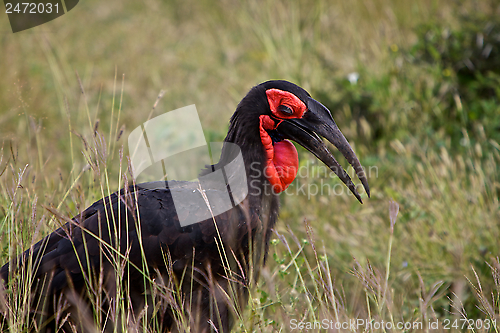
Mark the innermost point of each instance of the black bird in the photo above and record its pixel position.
(205, 267)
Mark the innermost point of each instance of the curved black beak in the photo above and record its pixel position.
(317, 121)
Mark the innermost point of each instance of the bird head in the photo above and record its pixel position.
(286, 112)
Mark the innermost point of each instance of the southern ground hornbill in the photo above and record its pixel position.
(202, 270)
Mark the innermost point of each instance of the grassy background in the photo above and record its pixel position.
(426, 121)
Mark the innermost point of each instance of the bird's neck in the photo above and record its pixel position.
(243, 138)
(271, 162)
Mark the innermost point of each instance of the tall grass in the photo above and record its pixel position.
(72, 91)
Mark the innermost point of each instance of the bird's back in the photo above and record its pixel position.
(139, 228)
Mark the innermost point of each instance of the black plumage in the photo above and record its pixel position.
(212, 262)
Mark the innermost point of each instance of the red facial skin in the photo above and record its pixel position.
(282, 160)
(277, 97)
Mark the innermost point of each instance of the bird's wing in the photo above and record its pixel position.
(140, 222)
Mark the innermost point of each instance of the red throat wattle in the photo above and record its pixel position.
(282, 160)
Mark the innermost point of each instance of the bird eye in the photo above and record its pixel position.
(285, 109)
